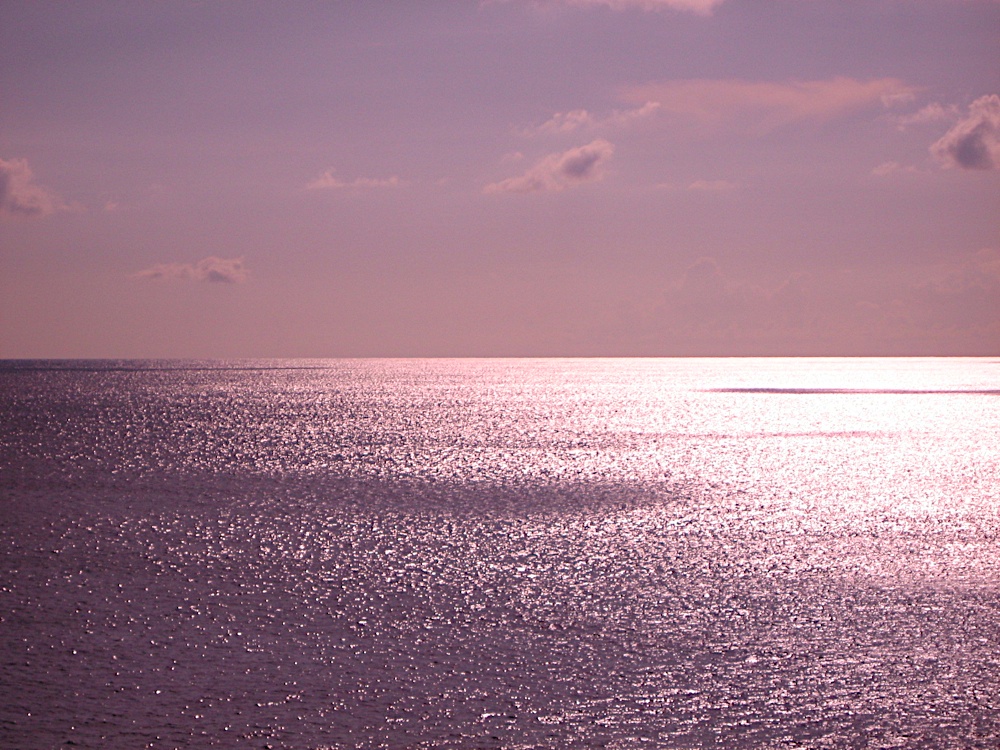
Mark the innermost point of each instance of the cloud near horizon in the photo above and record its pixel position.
(560, 170)
(765, 104)
(20, 195)
(954, 300)
(328, 180)
(211, 269)
(974, 141)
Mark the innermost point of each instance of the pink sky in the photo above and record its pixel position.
(500, 178)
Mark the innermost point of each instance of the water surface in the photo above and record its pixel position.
(500, 553)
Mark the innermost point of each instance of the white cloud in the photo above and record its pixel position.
(211, 269)
(764, 105)
(974, 141)
(328, 180)
(561, 170)
(20, 195)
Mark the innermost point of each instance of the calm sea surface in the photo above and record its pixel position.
(799, 553)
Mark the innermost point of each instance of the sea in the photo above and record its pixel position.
(500, 553)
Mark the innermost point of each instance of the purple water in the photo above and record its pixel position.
(500, 554)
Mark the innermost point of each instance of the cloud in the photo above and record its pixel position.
(704, 299)
(627, 116)
(979, 271)
(561, 170)
(564, 122)
(211, 269)
(933, 112)
(963, 294)
(952, 306)
(704, 278)
(887, 168)
(578, 119)
(973, 142)
(328, 180)
(711, 186)
(766, 105)
(699, 186)
(701, 7)
(20, 195)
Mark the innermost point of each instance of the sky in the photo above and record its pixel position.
(499, 178)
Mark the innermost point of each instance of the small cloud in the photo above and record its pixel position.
(896, 98)
(211, 269)
(565, 122)
(20, 195)
(931, 113)
(765, 105)
(559, 171)
(328, 180)
(701, 7)
(974, 141)
(711, 186)
(887, 168)
(621, 118)
(578, 119)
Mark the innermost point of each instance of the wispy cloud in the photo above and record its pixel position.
(974, 141)
(581, 119)
(564, 122)
(560, 171)
(887, 168)
(930, 113)
(701, 7)
(328, 180)
(20, 195)
(211, 269)
(764, 105)
(711, 186)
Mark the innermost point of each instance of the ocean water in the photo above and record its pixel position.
(773, 553)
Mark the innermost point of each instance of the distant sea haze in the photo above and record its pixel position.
(551, 553)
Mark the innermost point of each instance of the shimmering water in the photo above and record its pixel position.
(500, 554)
